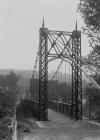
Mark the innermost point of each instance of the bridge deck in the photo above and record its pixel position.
(59, 127)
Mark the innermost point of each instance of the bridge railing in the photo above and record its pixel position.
(34, 106)
(61, 107)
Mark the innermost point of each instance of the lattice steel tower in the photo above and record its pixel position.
(43, 74)
(76, 111)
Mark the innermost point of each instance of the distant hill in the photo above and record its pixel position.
(25, 73)
(25, 76)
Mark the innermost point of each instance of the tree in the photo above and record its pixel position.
(12, 80)
(90, 11)
(92, 96)
(8, 85)
(3, 82)
(8, 90)
(89, 95)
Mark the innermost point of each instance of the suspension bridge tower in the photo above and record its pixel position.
(70, 49)
(43, 74)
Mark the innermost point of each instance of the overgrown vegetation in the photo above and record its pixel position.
(24, 110)
(8, 90)
(90, 12)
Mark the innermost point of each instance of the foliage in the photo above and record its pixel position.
(12, 80)
(9, 82)
(93, 59)
(5, 133)
(3, 82)
(24, 109)
(6, 104)
(92, 96)
(8, 89)
(92, 93)
(90, 11)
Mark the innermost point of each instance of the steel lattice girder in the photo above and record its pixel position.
(76, 110)
(43, 76)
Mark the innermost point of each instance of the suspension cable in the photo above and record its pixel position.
(93, 81)
(96, 84)
(60, 62)
(65, 83)
(57, 70)
(79, 58)
(56, 88)
(69, 82)
(36, 62)
(58, 85)
(88, 34)
(61, 85)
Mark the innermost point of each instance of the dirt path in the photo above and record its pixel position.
(58, 127)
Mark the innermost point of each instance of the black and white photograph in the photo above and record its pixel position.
(49, 69)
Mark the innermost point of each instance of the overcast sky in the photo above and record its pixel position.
(20, 21)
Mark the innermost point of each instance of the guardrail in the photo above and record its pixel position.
(36, 108)
(63, 108)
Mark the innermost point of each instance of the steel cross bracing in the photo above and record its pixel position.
(55, 45)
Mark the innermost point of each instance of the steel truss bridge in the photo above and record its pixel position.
(66, 46)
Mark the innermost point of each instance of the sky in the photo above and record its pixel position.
(20, 21)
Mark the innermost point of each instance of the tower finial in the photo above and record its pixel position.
(43, 23)
(76, 25)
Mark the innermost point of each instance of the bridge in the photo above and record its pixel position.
(64, 48)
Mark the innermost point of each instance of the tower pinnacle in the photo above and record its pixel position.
(76, 25)
(43, 23)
